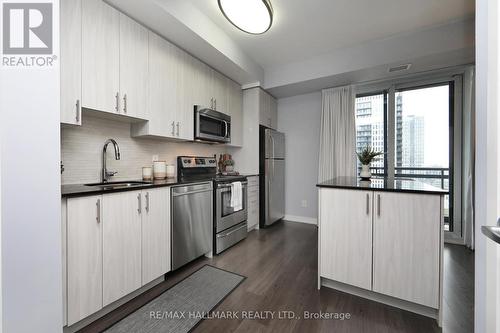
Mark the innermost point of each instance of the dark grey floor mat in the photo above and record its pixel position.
(181, 307)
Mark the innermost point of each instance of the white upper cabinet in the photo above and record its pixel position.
(162, 89)
(202, 84)
(235, 108)
(273, 109)
(268, 113)
(185, 105)
(220, 92)
(100, 56)
(133, 68)
(110, 63)
(114, 61)
(71, 61)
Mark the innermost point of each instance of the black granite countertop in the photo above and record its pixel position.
(78, 190)
(405, 185)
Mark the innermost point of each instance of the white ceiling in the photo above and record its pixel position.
(304, 29)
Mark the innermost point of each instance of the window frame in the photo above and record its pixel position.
(390, 86)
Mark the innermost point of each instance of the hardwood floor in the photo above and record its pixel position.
(280, 264)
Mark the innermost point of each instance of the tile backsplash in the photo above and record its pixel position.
(81, 150)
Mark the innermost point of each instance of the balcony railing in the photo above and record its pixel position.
(440, 174)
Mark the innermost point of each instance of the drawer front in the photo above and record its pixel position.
(253, 218)
(231, 236)
(253, 181)
(252, 196)
(253, 209)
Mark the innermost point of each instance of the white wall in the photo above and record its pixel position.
(299, 118)
(81, 151)
(487, 253)
(30, 194)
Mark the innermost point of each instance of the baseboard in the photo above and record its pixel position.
(380, 298)
(301, 219)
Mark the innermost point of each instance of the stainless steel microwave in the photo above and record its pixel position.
(211, 125)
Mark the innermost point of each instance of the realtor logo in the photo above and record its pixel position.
(27, 28)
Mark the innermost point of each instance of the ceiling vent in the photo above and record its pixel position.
(399, 68)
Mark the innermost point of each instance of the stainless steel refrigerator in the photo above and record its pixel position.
(272, 176)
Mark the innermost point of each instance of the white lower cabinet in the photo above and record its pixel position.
(389, 243)
(253, 202)
(84, 257)
(116, 243)
(406, 247)
(346, 237)
(155, 234)
(121, 244)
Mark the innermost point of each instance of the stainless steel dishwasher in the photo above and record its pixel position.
(192, 214)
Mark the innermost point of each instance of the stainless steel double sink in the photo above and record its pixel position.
(118, 184)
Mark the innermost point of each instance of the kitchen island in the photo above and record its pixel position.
(383, 240)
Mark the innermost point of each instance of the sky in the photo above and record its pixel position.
(431, 103)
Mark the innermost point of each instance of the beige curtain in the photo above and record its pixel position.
(337, 147)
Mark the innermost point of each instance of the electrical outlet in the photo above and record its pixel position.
(155, 158)
(304, 203)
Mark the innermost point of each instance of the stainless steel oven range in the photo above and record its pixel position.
(230, 225)
(229, 220)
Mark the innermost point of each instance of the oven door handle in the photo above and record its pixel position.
(243, 185)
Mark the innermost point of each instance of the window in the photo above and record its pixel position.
(419, 145)
(370, 127)
(422, 137)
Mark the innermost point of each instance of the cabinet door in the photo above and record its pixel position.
(155, 234)
(121, 244)
(185, 107)
(133, 67)
(253, 202)
(71, 61)
(162, 87)
(346, 236)
(100, 56)
(235, 109)
(84, 257)
(220, 87)
(264, 108)
(202, 92)
(273, 112)
(406, 246)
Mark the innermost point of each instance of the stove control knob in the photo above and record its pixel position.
(187, 161)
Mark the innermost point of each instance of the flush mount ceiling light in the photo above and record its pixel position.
(251, 16)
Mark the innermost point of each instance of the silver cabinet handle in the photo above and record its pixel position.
(147, 202)
(139, 204)
(173, 128)
(177, 128)
(98, 208)
(117, 98)
(124, 103)
(378, 204)
(78, 110)
(367, 204)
